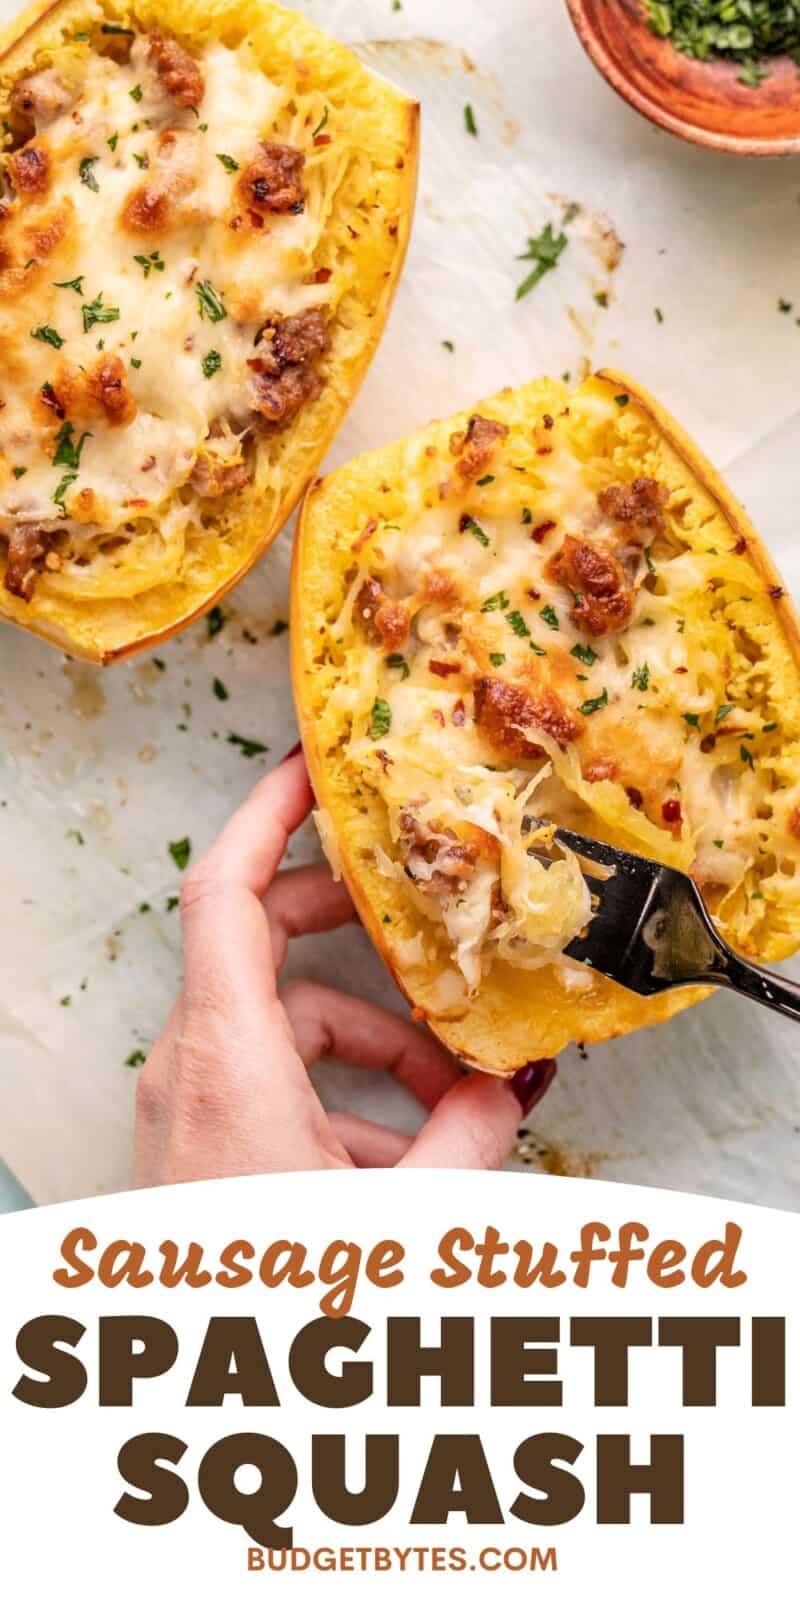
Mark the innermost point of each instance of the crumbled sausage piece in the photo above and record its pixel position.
(504, 710)
(641, 502)
(436, 860)
(27, 549)
(285, 377)
(40, 98)
(211, 476)
(475, 445)
(107, 385)
(383, 621)
(29, 168)
(178, 71)
(272, 182)
(602, 596)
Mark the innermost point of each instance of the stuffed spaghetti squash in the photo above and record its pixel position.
(203, 213)
(549, 610)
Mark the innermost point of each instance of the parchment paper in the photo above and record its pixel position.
(99, 771)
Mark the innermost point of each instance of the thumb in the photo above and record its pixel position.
(475, 1123)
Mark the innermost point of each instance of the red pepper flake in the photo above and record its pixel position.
(365, 534)
(322, 138)
(384, 759)
(323, 275)
(137, 502)
(636, 798)
(545, 450)
(236, 223)
(438, 717)
(547, 420)
(681, 669)
(256, 219)
(740, 546)
(444, 669)
(459, 715)
(541, 530)
(148, 464)
(255, 363)
(775, 591)
(671, 811)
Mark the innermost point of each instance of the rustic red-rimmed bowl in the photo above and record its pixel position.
(699, 100)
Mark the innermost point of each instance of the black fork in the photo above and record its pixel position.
(651, 931)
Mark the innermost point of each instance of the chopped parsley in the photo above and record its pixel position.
(278, 627)
(151, 263)
(380, 719)
(68, 454)
(746, 755)
(743, 31)
(219, 689)
(211, 363)
(769, 727)
(209, 302)
(785, 306)
(584, 653)
(86, 172)
(97, 312)
(135, 1059)
(518, 625)
(602, 299)
(488, 477)
(135, 363)
(548, 615)
(227, 162)
(658, 314)
(398, 662)
(497, 658)
(136, 93)
(469, 525)
(648, 559)
(527, 514)
(113, 141)
(692, 718)
(19, 472)
(141, 161)
(180, 850)
(469, 121)
(622, 400)
(545, 250)
(447, 344)
(111, 27)
(248, 747)
(590, 706)
(641, 677)
(496, 602)
(71, 283)
(47, 335)
(215, 621)
(722, 711)
(323, 123)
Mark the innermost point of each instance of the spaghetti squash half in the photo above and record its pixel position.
(547, 610)
(203, 213)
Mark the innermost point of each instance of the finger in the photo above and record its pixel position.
(227, 949)
(327, 1023)
(367, 1143)
(305, 900)
(475, 1125)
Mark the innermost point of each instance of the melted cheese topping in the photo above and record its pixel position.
(501, 712)
(180, 307)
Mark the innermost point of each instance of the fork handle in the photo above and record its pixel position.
(731, 972)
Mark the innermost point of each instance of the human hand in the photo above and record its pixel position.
(225, 1090)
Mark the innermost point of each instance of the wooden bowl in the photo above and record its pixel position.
(699, 100)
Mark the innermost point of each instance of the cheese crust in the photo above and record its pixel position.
(203, 214)
(546, 610)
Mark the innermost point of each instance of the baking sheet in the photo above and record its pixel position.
(100, 771)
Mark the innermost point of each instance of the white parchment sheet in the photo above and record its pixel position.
(99, 771)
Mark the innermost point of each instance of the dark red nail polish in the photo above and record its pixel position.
(532, 1081)
(296, 748)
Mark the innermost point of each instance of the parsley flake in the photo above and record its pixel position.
(548, 615)
(86, 173)
(545, 250)
(47, 335)
(497, 658)
(590, 706)
(97, 312)
(469, 525)
(227, 162)
(71, 283)
(209, 303)
(584, 653)
(215, 621)
(211, 363)
(219, 689)
(518, 625)
(248, 747)
(380, 720)
(469, 121)
(398, 662)
(641, 677)
(180, 850)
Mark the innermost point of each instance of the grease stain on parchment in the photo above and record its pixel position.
(450, 61)
(547, 1156)
(86, 697)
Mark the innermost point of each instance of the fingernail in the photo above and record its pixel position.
(532, 1081)
(296, 748)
